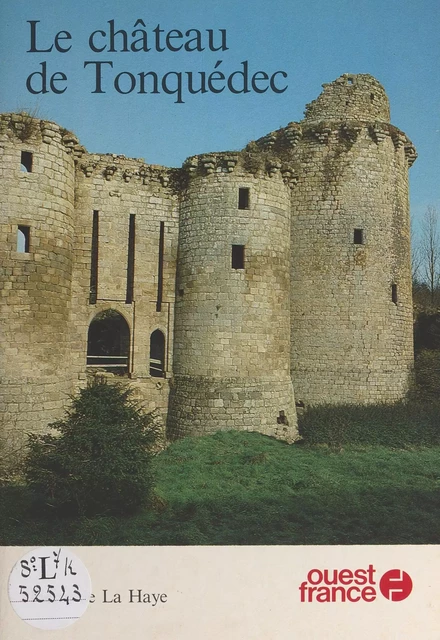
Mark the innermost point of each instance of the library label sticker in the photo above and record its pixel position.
(49, 588)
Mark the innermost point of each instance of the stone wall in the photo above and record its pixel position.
(117, 188)
(317, 288)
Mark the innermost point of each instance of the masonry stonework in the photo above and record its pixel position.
(217, 289)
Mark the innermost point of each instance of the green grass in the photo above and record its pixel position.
(245, 488)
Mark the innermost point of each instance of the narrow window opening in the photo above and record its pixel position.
(358, 236)
(23, 239)
(394, 293)
(243, 198)
(350, 80)
(282, 418)
(238, 256)
(157, 354)
(130, 260)
(160, 268)
(26, 161)
(94, 259)
(372, 97)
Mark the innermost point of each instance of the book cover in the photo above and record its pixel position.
(210, 203)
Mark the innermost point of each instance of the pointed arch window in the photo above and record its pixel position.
(157, 354)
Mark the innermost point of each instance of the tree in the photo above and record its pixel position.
(100, 462)
(430, 249)
(416, 257)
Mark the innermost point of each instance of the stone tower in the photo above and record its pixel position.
(351, 295)
(231, 341)
(37, 227)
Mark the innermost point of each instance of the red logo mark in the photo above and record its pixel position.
(395, 585)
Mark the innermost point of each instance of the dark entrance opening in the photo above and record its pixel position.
(108, 343)
(157, 354)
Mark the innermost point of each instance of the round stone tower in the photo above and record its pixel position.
(351, 306)
(37, 192)
(231, 342)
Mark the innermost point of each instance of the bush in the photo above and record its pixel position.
(100, 462)
(427, 331)
(427, 370)
(11, 462)
(396, 425)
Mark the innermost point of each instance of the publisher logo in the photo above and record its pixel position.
(395, 585)
(354, 585)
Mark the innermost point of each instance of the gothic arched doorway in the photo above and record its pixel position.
(108, 342)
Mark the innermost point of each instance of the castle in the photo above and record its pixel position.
(222, 290)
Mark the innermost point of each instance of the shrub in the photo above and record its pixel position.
(100, 461)
(11, 461)
(427, 370)
(396, 425)
(427, 331)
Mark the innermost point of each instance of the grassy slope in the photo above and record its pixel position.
(244, 488)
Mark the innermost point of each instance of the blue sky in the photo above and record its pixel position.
(316, 41)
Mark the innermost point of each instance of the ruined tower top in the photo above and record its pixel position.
(351, 97)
